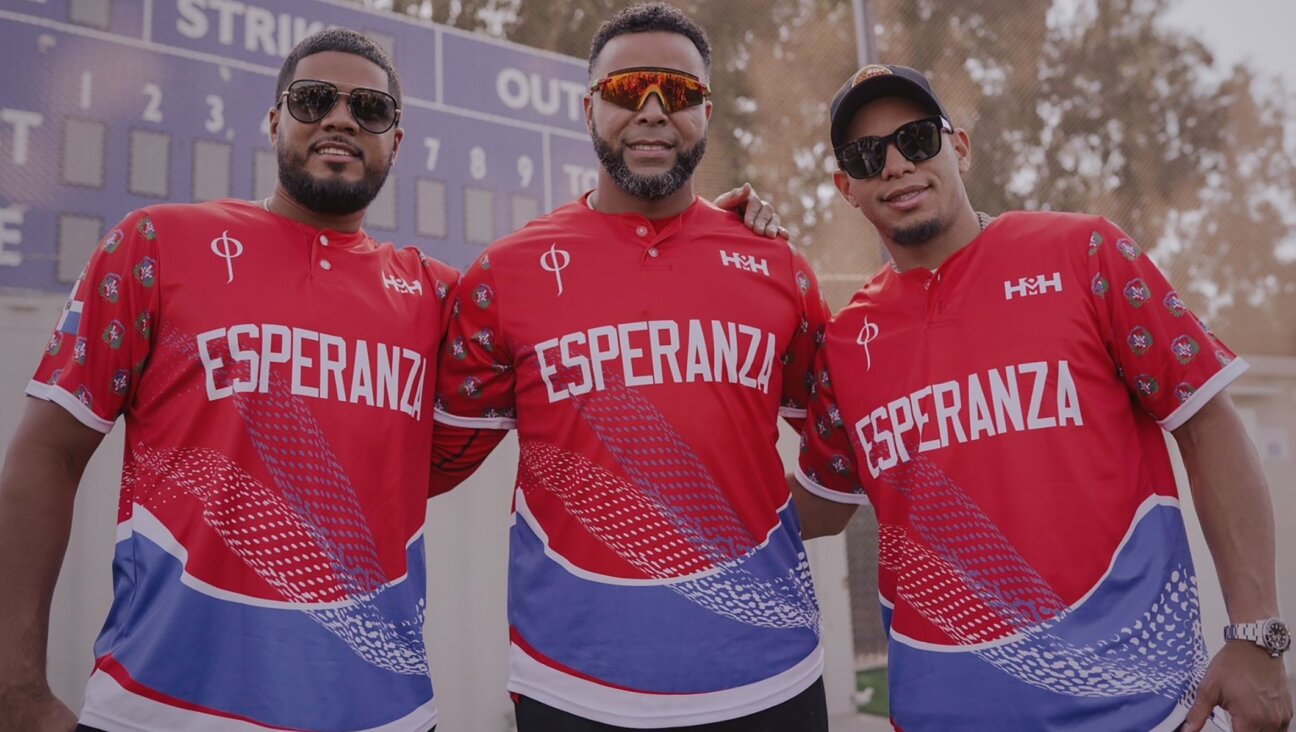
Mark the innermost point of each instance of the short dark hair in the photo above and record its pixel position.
(344, 40)
(645, 18)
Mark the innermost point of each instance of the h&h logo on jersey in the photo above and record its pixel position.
(1037, 285)
(392, 282)
(745, 262)
(227, 247)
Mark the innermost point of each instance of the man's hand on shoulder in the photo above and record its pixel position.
(1249, 684)
(758, 215)
(32, 709)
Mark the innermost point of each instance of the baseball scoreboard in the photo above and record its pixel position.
(110, 105)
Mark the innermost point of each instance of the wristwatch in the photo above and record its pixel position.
(1271, 635)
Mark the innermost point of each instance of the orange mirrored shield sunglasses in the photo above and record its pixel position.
(630, 88)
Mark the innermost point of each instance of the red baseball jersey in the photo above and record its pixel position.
(1004, 417)
(656, 575)
(269, 563)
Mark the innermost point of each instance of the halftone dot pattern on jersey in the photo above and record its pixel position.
(961, 573)
(308, 539)
(669, 519)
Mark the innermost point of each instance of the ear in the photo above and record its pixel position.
(274, 126)
(842, 181)
(396, 141)
(587, 102)
(709, 107)
(963, 150)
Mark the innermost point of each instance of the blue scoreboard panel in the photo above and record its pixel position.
(110, 105)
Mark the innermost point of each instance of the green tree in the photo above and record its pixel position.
(1090, 106)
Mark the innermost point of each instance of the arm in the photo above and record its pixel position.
(1232, 502)
(43, 466)
(819, 516)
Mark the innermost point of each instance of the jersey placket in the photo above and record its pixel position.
(653, 242)
(930, 284)
(328, 255)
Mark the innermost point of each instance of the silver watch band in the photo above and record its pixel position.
(1271, 634)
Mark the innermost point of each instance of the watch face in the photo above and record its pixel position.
(1276, 636)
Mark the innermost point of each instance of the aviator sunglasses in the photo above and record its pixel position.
(919, 140)
(630, 88)
(309, 101)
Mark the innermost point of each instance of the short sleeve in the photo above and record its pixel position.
(1167, 356)
(826, 466)
(475, 375)
(444, 281)
(798, 357)
(101, 343)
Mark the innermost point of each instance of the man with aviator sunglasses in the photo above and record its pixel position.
(269, 568)
(274, 487)
(998, 393)
(644, 345)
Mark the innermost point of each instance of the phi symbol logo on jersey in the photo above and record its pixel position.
(392, 282)
(1037, 285)
(227, 247)
(555, 260)
(745, 262)
(867, 335)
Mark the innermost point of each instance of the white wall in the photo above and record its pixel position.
(1266, 400)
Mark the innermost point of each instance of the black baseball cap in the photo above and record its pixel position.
(875, 82)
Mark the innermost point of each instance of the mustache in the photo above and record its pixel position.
(341, 140)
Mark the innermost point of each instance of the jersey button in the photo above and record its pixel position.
(653, 252)
(323, 240)
(325, 265)
(642, 231)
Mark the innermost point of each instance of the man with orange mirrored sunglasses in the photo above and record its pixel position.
(631, 88)
(644, 344)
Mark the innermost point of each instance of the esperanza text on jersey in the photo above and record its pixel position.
(655, 352)
(988, 405)
(321, 365)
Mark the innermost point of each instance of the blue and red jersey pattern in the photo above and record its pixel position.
(656, 576)
(1004, 416)
(269, 569)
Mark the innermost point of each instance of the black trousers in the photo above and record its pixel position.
(83, 728)
(805, 712)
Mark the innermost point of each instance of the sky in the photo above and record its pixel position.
(1256, 31)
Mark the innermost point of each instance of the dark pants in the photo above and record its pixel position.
(805, 712)
(83, 728)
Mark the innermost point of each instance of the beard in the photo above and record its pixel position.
(918, 233)
(329, 196)
(650, 187)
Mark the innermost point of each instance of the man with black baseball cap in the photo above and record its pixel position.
(998, 393)
(883, 81)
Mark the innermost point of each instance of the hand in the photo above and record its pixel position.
(29, 710)
(1251, 687)
(758, 215)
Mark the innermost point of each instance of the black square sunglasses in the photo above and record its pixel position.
(920, 140)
